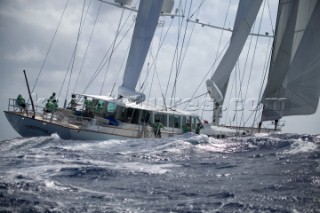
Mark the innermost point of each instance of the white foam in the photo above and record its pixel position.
(93, 145)
(261, 134)
(55, 136)
(301, 146)
(148, 168)
(55, 186)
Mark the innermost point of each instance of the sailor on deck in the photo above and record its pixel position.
(157, 126)
(51, 106)
(21, 103)
(186, 127)
(73, 103)
(53, 97)
(198, 128)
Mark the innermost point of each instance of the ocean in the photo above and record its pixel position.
(190, 173)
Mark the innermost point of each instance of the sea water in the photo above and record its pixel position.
(190, 173)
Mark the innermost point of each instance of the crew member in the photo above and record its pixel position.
(157, 126)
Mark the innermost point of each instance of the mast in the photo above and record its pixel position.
(30, 96)
(217, 85)
(146, 23)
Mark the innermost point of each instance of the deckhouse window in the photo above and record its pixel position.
(162, 117)
(174, 121)
(194, 122)
(111, 107)
(128, 115)
(145, 116)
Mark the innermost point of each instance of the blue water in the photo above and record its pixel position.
(191, 173)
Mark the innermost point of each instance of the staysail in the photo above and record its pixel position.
(146, 23)
(217, 85)
(293, 86)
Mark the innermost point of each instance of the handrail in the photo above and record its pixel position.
(64, 117)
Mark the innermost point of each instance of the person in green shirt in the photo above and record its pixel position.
(99, 108)
(73, 102)
(186, 128)
(53, 97)
(49, 106)
(157, 126)
(199, 126)
(88, 108)
(21, 103)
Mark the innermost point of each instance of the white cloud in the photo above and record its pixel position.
(25, 54)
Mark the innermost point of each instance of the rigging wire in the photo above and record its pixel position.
(218, 55)
(254, 55)
(104, 60)
(189, 100)
(51, 43)
(120, 69)
(73, 55)
(231, 90)
(180, 56)
(206, 75)
(183, 54)
(270, 17)
(72, 59)
(197, 9)
(174, 54)
(154, 60)
(221, 35)
(241, 79)
(154, 63)
(85, 54)
(112, 50)
(144, 84)
(266, 68)
(77, 43)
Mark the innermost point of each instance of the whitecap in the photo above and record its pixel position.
(261, 134)
(300, 146)
(147, 168)
(55, 136)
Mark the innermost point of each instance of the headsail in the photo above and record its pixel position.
(293, 86)
(246, 15)
(146, 23)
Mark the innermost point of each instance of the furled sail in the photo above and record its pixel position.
(146, 23)
(293, 86)
(246, 15)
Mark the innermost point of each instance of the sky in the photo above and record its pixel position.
(27, 42)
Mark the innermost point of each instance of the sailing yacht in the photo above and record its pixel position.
(292, 86)
(126, 116)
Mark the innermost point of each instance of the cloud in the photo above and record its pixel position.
(25, 54)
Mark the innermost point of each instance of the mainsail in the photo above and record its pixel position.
(146, 23)
(293, 86)
(217, 85)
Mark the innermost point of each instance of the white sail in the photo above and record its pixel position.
(246, 15)
(167, 6)
(293, 84)
(146, 23)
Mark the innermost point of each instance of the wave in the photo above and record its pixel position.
(177, 146)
